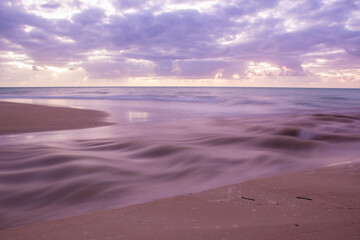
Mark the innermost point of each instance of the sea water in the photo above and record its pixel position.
(168, 141)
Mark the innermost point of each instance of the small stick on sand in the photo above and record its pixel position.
(304, 198)
(250, 199)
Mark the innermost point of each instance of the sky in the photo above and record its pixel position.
(272, 43)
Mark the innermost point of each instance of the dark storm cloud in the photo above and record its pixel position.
(186, 43)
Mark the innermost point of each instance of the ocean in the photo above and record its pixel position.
(168, 141)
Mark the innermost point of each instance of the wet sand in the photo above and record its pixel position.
(315, 204)
(22, 118)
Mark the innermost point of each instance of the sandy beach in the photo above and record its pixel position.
(315, 204)
(21, 118)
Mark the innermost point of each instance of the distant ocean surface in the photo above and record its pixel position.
(216, 101)
(168, 141)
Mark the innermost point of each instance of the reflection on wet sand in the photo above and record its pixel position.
(137, 116)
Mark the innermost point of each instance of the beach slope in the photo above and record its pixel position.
(23, 118)
(314, 204)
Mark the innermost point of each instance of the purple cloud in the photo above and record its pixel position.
(89, 16)
(186, 43)
(51, 5)
(126, 4)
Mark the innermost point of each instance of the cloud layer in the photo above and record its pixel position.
(280, 40)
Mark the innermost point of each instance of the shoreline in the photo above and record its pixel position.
(321, 203)
(26, 118)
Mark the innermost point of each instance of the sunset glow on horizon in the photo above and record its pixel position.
(277, 43)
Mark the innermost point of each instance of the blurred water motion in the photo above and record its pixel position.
(165, 147)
